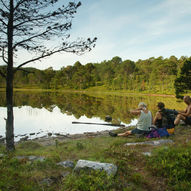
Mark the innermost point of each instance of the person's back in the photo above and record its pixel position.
(144, 121)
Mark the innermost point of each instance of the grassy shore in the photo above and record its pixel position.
(95, 90)
(168, 167)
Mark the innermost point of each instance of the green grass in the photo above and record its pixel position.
(95, 90)
(167, 169)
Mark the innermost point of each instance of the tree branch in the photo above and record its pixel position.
(1, 20)
(29, 39)
(3, 55)
(2, 74)
(76, 47)
(32, 37)
(68, 10)
(22, 69)
(3, 31)
(31, 20)
(38, 58)
(18, 4)
(4, 4)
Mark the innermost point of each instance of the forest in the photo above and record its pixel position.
(153, 75)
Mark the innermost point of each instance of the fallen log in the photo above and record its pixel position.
(107, 124)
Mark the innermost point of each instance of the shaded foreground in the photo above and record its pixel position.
(165, 167)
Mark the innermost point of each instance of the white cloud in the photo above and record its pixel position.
(177, 48)
(129, 29)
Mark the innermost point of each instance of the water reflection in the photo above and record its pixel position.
(36, 113)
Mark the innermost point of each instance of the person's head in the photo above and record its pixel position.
(187, 99)
(160, 105)
(142, 105)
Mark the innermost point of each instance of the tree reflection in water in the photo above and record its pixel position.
(55, 111)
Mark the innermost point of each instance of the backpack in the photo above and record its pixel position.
(168, 117)
(156, 133)
(153, 134)
(163, 132)
(165, 120)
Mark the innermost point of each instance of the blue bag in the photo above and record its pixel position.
(162, 132)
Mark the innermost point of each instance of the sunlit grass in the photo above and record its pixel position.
(132, 165)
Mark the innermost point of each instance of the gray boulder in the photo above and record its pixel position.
(109, 168)
(154, 143)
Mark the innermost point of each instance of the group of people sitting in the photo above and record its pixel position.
(164, 120)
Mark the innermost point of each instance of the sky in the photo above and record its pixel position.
(130, 29)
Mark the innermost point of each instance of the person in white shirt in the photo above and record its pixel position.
(144, 121)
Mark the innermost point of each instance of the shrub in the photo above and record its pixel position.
(92, 181)
(175, 165)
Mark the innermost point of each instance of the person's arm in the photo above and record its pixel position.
(135, 111)
(157, 116)
(181, 112)
(187, 111)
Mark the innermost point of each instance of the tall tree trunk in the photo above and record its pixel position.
(9, 85)
(10, 118)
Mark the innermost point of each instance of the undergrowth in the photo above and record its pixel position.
(168, 168)
(173, 163)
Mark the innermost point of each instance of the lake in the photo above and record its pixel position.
(38, 113)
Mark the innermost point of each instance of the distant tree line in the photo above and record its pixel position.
(156, 75)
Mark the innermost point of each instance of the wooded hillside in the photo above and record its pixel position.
(156, 75)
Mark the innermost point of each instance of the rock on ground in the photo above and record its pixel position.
(66, 164)
(31, 158)
(155, 143)
(109, 168)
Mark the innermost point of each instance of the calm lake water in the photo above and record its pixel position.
(37, 114)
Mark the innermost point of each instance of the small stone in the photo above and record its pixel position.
(32, 158)
(23, 135)
(46, 181)
(64, 174)
(41, 159)
(24, 138)
(108, 118)
(66, 164)
(147, 153)
(49, 134)
(20, 157)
